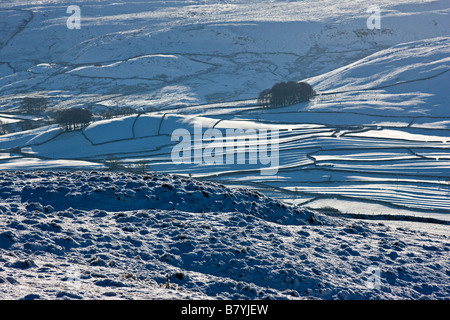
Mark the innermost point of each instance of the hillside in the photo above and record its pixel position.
(98, 235)
(345, 196)
(159, 54)
(377, 132)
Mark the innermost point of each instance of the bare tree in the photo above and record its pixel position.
(141, 167)
(3, 129)
(264, 97)
(33, 105)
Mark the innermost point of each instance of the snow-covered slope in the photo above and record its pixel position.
(377, 132)
(100, 235)
(154, 54)
(373, 145)
(407, 79)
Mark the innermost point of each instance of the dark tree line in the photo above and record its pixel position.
(72, 119)
(286, 93)
(33, 105)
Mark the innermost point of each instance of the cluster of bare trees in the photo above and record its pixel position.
(69, 119)
(74, 118)
(31, 105)
(286, 93)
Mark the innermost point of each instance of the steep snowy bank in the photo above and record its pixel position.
(99, 235)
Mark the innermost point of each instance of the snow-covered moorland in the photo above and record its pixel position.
(363, 167)
(156, 54)
(102, 235)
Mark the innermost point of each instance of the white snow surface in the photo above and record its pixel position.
(105, 235)
(154, 54)
(382, 119)
(364, 167)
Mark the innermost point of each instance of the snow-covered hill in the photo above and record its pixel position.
(363, 169)
(410, 79)
(102, 235)
(154, 54)
(377, 132)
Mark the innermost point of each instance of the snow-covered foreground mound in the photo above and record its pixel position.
(98, 235)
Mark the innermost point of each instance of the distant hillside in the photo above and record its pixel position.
(155, 54)
(102, 235)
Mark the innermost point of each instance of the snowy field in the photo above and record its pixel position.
(356, 143)
(356, 205)
(157, 54)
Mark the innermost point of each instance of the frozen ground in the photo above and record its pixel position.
(103, 235)
(372, 147)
